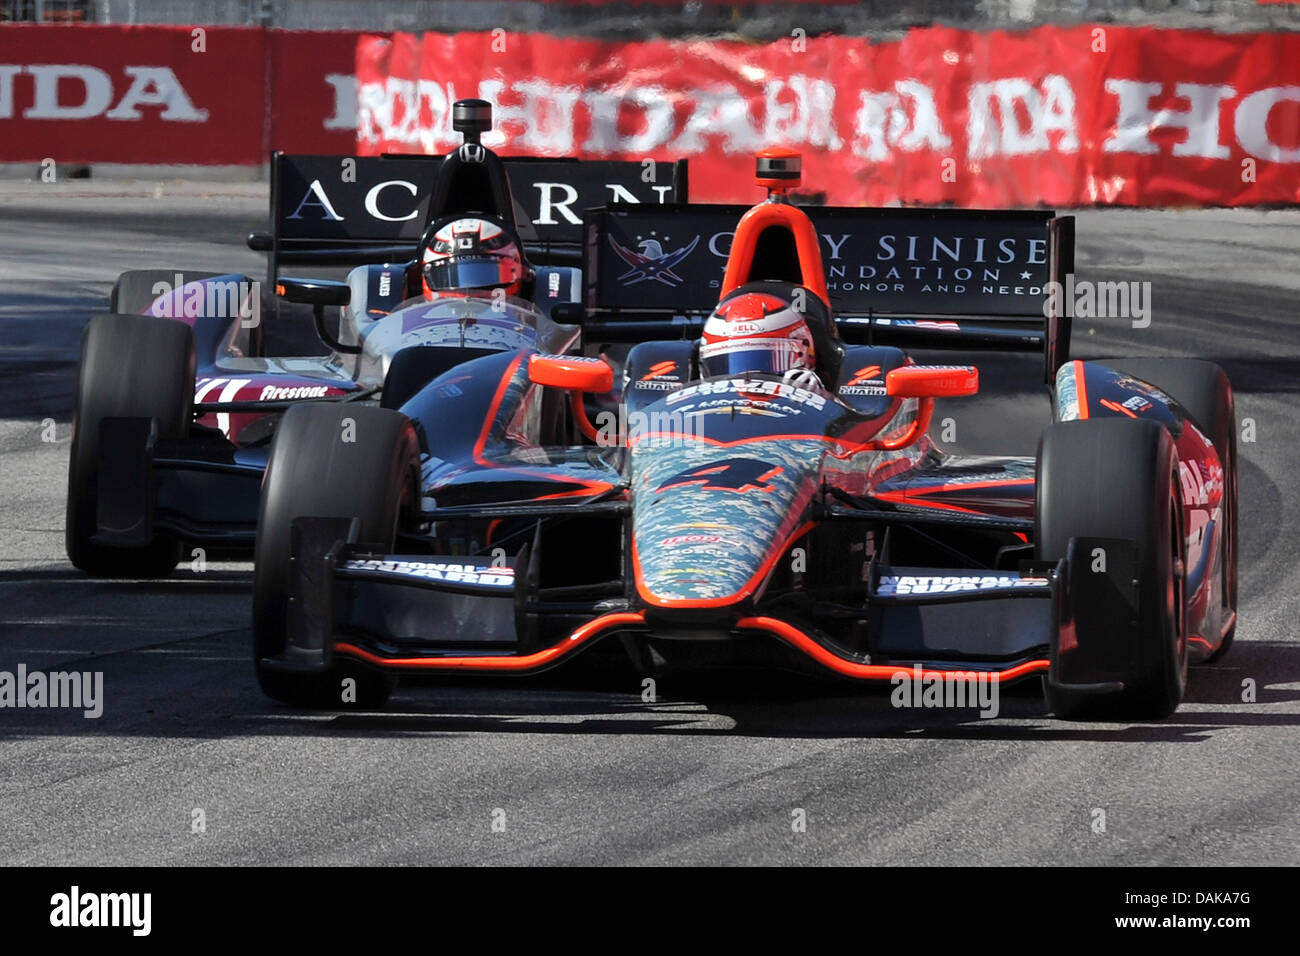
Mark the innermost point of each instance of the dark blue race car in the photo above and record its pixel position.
(516, 508)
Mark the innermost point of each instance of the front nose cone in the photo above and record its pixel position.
(708, 522)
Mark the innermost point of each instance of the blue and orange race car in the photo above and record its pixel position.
(518, 507)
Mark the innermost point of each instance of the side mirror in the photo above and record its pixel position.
(319, 292)
(568, 313)
(576, 373)
(932, 381)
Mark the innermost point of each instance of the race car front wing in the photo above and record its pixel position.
(429, 613)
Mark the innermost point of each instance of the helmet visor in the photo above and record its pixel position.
(478, 272)
(747, 357)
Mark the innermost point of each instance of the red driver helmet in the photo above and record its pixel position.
(756, 332)
(471, 253)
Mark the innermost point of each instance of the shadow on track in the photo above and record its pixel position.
(204, 688)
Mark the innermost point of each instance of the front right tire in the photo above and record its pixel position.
(132, 366)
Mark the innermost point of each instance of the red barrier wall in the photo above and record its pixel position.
(1061, 116)
(222, 96)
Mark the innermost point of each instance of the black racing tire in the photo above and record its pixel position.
(1116, 478)
(131, 365)
(315, 471)
(1203, 390)
(133, 291)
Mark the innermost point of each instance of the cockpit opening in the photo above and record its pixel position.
(776, 257)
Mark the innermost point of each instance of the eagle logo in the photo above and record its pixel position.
(652, 263)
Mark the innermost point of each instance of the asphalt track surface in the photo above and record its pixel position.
(576, 766)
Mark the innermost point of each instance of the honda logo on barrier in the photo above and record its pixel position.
(71, 91)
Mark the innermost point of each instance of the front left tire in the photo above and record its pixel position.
(336, 460)
(1109, 479)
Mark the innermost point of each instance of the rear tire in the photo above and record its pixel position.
(1203, 390)
(314, 472)
(1115, 478)
(131, 366)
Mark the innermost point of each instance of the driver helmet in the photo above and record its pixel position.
(470, 254)
(756, 332)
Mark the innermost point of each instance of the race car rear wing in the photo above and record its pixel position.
(353, 210)
(924, 278)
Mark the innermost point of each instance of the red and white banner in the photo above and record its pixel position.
(203, 95)
(1057, 116)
